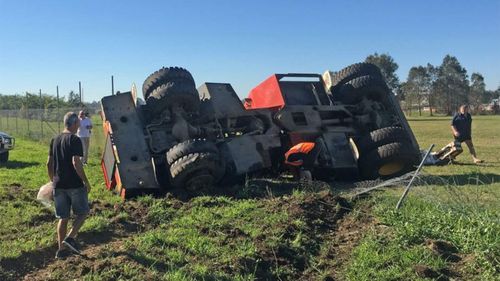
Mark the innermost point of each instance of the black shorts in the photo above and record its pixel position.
(463, 138)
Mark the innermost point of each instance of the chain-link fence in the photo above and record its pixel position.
(43, 124)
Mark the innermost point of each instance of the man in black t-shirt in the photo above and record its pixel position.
(461, 126)
(71, 186)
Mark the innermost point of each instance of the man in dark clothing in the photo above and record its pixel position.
(461, 128)
(71, 186)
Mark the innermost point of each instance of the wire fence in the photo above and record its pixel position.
(43, 124)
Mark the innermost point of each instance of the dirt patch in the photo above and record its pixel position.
(16, 268)
(40, 264)
(14, 191)
(46, 215)
(443, 274)
(110, 256)
(443, 249)
(349, 232)
(329, 231)
(324, 209)
(426, 272)
(324, 216)
(462, 268)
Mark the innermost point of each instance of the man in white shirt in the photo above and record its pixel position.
(84, 134)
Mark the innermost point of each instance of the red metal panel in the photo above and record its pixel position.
(266, 95)
(107, 182)
(106, 127)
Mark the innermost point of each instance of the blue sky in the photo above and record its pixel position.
(49, 43)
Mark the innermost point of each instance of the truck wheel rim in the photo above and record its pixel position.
(391, 168)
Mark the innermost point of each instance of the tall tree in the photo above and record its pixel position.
(451, 85)
(407, 100)
(477, 94)
(388, 67)
(73, 99)
(433, 73)
(496, 105)
(418, 86)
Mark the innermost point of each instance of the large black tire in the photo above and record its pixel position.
(196, 173)
(189, 147)
(4, 157)
(381, 137)
(387, 161)
(371, 87)
(164, 76)
(180, 93)
(353, 71)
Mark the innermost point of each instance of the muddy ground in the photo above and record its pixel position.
(341, 222)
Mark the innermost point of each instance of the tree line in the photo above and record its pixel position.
(438, 89)
(43, 101)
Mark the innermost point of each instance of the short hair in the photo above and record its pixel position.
(70, 119)
(463, 106)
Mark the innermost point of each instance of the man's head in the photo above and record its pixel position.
(464, 108)
(81, 114)
(71, 122)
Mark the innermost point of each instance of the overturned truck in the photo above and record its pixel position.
(188, 140)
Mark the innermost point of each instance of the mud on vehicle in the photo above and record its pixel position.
(192, 140)
(6, 144)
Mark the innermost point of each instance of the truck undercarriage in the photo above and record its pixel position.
(189, 140)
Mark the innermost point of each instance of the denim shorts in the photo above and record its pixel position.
(74, 198)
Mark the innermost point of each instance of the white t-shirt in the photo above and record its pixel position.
(84, 131)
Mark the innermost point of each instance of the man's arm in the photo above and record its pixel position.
(50, 168)
(77, 163)
(453, 128)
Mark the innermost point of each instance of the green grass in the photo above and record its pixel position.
(270, 237)
(378, 258)
(462, 209)
(430, 213)
(20, 179)
(224, 239)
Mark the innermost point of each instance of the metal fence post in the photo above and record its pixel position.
(28, 114)
(41, 113)
(407, 189)
(80, 91)
(58, 114)
(17, 133)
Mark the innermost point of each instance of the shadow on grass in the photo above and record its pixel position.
(164, 267)
(275, 187)
(487, 164)
(259, 187)
(18, 164)
(14, 268)
(17, 267)
(463, 179)
(440, 118)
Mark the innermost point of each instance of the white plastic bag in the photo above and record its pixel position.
(45, 194)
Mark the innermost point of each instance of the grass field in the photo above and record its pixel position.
(448, 227)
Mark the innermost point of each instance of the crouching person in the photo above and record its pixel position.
(71, 187)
